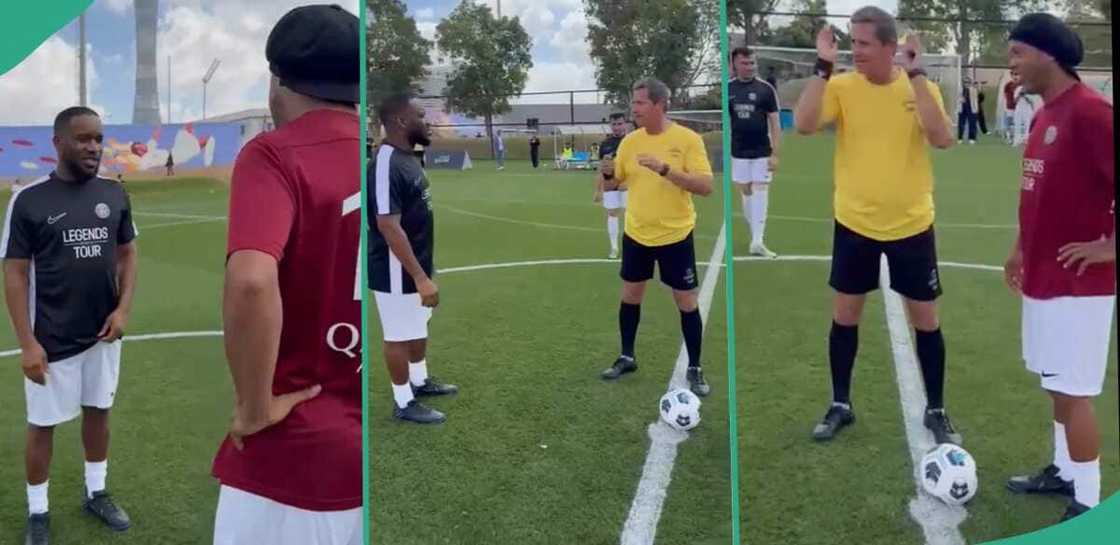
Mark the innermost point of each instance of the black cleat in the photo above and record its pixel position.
(937, 421)
(101, 506)
(837, 418)
(433, 387)
(1046, 481)
(1074, 510)
(38, 530)
(696, 382)
(418, 413)
(620, 367)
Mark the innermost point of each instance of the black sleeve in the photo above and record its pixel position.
(771, 100)
(126, 231)
(19, 235)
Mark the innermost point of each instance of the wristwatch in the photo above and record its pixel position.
(664, 170)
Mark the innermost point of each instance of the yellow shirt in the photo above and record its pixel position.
(882, 169)
(659, 212)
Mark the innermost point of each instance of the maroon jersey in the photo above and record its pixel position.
(295, 194)
(1068, 193)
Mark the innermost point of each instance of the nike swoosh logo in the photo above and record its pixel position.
(1049, 375)
(51, 220)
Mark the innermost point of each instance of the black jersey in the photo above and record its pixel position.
(70, 232)
(398, 186)
(751, 103)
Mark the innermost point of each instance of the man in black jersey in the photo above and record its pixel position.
(401, 267)
(69, 274)
(607, 189)
(756, 135)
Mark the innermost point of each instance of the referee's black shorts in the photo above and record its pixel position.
(676, 261)
(912, 262)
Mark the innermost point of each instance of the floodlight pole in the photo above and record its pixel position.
(205, 80)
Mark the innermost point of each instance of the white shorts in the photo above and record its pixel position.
(249, 519)
(88, 379)
(745, 171)
(1065, 342)
(403, 318)
(613, 200)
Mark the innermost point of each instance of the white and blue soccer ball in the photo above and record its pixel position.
(680, 409)
(949, 474)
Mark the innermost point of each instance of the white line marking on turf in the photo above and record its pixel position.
(177, 215)
(145, 337)
(535, 223)
(583, 261)
(178, 223)
(939, 521)
(645, 511)
(951, 225)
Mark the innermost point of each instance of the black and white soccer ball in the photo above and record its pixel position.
(949, 474)
(680, 409)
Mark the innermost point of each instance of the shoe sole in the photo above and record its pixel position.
(110, 526)
(436, 394)
(820, 438)
(1026, 491)
(411, 421)
(619, 375)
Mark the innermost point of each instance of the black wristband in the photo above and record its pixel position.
(916, 72)
(823, 68)
(608, 176)
(664, 170)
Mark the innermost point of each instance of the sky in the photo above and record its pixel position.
(192, 32)
(561, 59)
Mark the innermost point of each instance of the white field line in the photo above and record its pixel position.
(645, 511)
(516, 221)
(178, 216)
(940, 522)
(178, 223)
(146, 337)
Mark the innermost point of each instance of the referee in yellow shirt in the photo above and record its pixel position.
(663, 164)
(886, 118)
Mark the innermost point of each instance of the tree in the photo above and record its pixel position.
(973, 40)
(396, 53)
(802, 30)
(1097, 39)
(665, 39)
(744, 14)
(491, 59)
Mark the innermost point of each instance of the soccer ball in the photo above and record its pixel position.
(949, 474)
(680, 409)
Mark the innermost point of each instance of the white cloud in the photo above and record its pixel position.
(45, 83)
(117, 6)
(560, 76)
(427, 29)
(425, 14)
(847, 7)
(193, 33)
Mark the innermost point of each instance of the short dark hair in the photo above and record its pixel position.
(62, 120)
(741, 51)
(618, 115)
(885, 29)
(392, 106)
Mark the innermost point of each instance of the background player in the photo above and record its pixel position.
(883, 199)
(607, 188)
(662, 164)
(291, 466)
(401, 263)
(70, 264)
(756, 134)
(1063, 262)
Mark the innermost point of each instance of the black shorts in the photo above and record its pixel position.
(912, 262)
(676, 261)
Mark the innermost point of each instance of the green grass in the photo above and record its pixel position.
(857, 488)
(174, 398)
(537, 449)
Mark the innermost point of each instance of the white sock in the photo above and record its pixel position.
(747, 209)
(759, 202)
(1061, 452)
(402, 394)
(612, 231)
(1087, 482)
(96, 472)
(37, 498)
(418, 372)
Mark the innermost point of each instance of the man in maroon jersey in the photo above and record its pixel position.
(290, 469)
(1063, 263)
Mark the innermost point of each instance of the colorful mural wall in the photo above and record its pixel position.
(27, 152)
